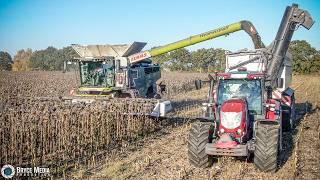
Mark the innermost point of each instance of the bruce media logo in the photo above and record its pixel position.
(7, 171)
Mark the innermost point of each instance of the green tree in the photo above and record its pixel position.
(180, 58)
(43, 59)
(208, 59)
(5, 61)
(51, 58)
(305, 58)
(220, 59)
(174, 60)
(66, 54)
(181, 55)
(199, 57)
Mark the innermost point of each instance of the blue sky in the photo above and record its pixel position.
(38, 24)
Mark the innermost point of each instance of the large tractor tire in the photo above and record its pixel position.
(266, 147)
(197, 140)
(289, 117)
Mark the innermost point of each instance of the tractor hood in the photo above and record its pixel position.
(233, 116)
(98, 51)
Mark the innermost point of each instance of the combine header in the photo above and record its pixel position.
(250, 105)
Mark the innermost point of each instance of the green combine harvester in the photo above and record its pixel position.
(124, 71)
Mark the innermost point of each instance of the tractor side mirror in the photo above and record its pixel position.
(280, 83)
(198, 84)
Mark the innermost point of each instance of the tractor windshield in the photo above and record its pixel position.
(98, 74)
(250, 89)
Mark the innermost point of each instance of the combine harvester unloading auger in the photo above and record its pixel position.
(123, 71)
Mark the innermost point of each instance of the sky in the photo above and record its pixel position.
(37, 24)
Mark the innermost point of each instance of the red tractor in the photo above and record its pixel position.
(251, 104)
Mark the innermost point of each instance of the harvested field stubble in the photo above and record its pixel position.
(56, 133)
(36, 84)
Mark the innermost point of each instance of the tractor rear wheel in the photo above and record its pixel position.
(266, 147)
(197, 141)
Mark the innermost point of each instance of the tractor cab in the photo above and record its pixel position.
(248, 89)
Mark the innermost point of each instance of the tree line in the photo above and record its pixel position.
(50, 59)
(306, 59)
(200, 60)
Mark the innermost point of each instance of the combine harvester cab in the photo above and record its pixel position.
(105, 72)
(250, 105)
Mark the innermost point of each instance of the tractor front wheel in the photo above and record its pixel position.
(197, 141)
(266, 147)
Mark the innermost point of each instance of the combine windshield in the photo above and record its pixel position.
(96, 74)
(250, 89)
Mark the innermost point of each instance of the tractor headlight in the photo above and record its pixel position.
(221, 130)
(231, 120)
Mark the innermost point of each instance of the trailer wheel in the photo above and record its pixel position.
(286, 122)
(197, 140)
(266, 147)
(293, 114)
(289, 117)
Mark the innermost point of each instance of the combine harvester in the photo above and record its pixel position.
(250, 105)
(122, 71)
